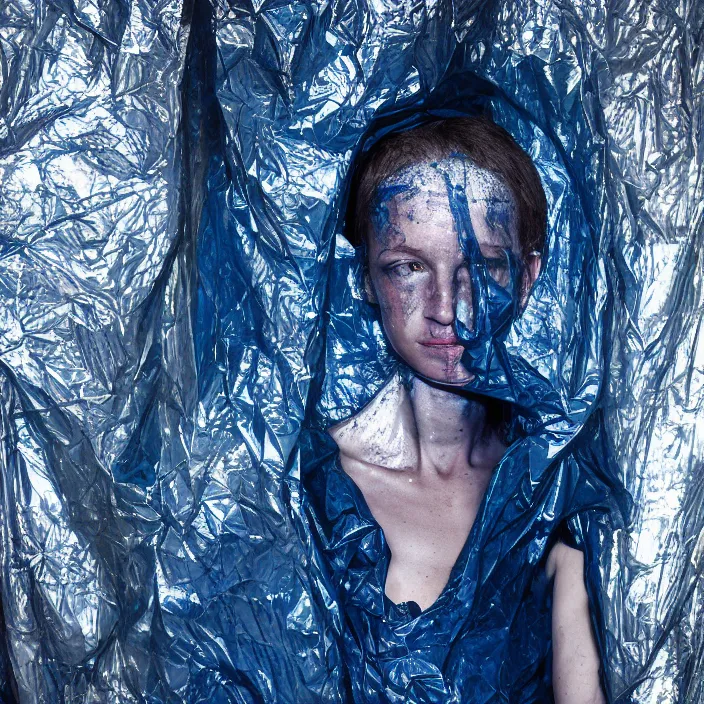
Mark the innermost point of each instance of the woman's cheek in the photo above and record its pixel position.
(412, 295)
(401, 299)
(410, 304)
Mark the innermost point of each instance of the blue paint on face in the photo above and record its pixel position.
(494, 306)
(499, 213)
(380, 216)
(495, 281)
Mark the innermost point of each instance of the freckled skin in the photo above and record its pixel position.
(418, 274)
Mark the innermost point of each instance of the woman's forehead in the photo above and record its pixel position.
(442, 178)
(420, 206)
(420, 195)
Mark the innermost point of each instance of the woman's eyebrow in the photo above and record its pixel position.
(492, 199)
(401, 248)
(497, 238)
(494, 247)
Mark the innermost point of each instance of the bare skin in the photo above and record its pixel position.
(423, 455)
(575, 662)
(425, 498)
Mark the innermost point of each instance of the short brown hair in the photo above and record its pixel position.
(489, 146)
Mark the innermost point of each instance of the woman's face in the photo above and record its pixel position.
(417, 272)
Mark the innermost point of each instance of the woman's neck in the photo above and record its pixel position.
(451, 429)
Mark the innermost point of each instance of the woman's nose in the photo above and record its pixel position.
(450, 296)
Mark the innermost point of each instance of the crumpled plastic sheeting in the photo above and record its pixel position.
(157, 368)
(90, 196)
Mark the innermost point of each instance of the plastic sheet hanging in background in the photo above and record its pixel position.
(156, 372)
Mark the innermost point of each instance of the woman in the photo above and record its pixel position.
(451, 219)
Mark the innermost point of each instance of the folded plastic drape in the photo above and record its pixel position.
(181, 322)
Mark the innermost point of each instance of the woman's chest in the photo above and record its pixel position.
(425, 523)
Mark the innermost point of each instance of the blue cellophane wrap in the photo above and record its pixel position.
(182, 321)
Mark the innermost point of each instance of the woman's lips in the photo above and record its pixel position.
(447, 352)
(437, 342)
(448, 349)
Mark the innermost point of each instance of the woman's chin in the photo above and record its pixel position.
(460, 380)
(441, 367)
(458, 376)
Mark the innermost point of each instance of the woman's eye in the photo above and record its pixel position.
(496, 263)
(498, 269)
(406, 268)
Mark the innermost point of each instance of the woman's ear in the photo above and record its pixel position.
(533, 263)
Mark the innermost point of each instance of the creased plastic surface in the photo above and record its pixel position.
(181, 320)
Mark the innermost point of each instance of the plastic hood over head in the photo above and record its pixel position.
(183, 321)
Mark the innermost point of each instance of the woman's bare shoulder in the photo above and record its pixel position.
(565, 558)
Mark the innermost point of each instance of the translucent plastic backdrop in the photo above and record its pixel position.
(179, 306)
